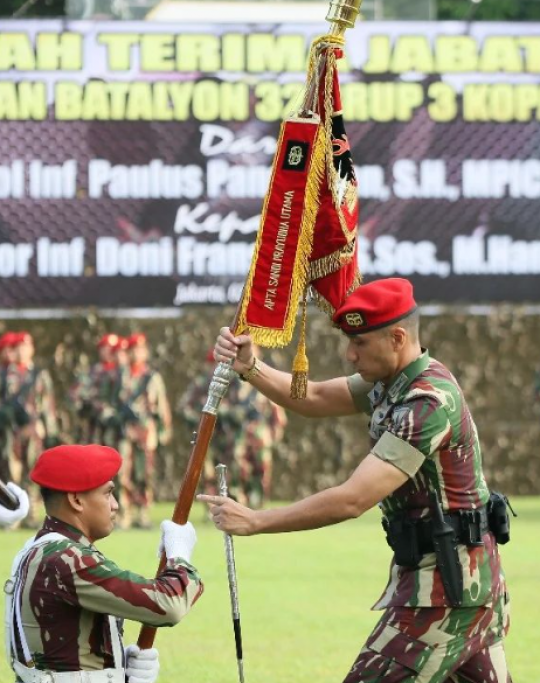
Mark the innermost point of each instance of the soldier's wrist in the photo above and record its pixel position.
(251, 371)
(243, 367)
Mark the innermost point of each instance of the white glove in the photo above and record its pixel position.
(142, 666)
(8, 517)
(177, 540)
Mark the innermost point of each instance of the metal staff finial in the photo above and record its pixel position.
(231, 575)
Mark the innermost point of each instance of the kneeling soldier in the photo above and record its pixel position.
(65, 601)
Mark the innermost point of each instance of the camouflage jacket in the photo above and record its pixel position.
(143, 390)
(421, 423)
(70, 588)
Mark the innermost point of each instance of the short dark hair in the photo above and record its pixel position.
(50, 496)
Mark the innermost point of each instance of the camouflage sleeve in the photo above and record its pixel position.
(101, 586)
(46, 403)
(158, 398)
(360, 389)
(417, 430)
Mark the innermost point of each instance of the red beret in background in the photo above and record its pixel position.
(375, 305)
(137, 339)
(21, 338)
(7, 340)
(73, 469)
(108, 340)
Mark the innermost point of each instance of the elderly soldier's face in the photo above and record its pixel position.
(374, 355)
(99, 511)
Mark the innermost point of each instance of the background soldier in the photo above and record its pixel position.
(95, 393)
(248, 428)
(446, 604)
(35, 415)
(8, 383)
(65, 597)
(146, 417)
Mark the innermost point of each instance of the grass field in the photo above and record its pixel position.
(304, 599)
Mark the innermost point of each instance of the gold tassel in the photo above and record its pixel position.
(301, 363)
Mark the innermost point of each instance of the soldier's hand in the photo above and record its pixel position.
(8, 517)
(142, 666)
(177, 540)
(230, 516)
(229, 347)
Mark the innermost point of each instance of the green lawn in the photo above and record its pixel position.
(304, 599)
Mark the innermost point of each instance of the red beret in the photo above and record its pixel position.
(76, 468)
(108, 340)
(21, 338)
(137, 339)
(375, 305)
(7, 340)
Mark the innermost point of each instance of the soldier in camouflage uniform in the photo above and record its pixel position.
(65, 601)
(147, 421)
(246, 431)
(94, 394)
(8, 384)
(424, 444)
(36, 424)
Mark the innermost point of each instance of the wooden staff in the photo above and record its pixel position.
(218, 388)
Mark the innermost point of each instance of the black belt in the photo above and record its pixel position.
(469, 527)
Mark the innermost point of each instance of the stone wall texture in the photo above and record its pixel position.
(494, 357)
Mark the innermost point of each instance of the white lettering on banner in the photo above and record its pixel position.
(151, 259)
(371, 182)
(485, 178)
(152, 181)
(15, 259)
(279, 251)
(53, 182)
(424, 180)
(192, 220)
(12, 180)
(60, 259)
(236, 181)
(495, 255)
(192, 292)
(220, 140)
(386, 256)
(212, 258)
(199, 294)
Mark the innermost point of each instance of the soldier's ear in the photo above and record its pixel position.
(75, 502)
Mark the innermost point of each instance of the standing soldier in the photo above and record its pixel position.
(8, 382)
(65, 602)
(446, 603)
(146, 416)
(93, 395)
(36, 423)
(246, 431)
(263, 426)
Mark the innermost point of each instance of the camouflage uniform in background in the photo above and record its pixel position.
(148, 425)
(10, 469)
(69, 589)
(421, 420)
(247, 427)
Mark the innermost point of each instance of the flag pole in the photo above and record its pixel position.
(342, 15)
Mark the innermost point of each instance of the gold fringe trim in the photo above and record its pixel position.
(326, 265)
(300, 369)
(273, 337)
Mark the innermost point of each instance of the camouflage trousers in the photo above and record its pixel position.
(436, 645)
